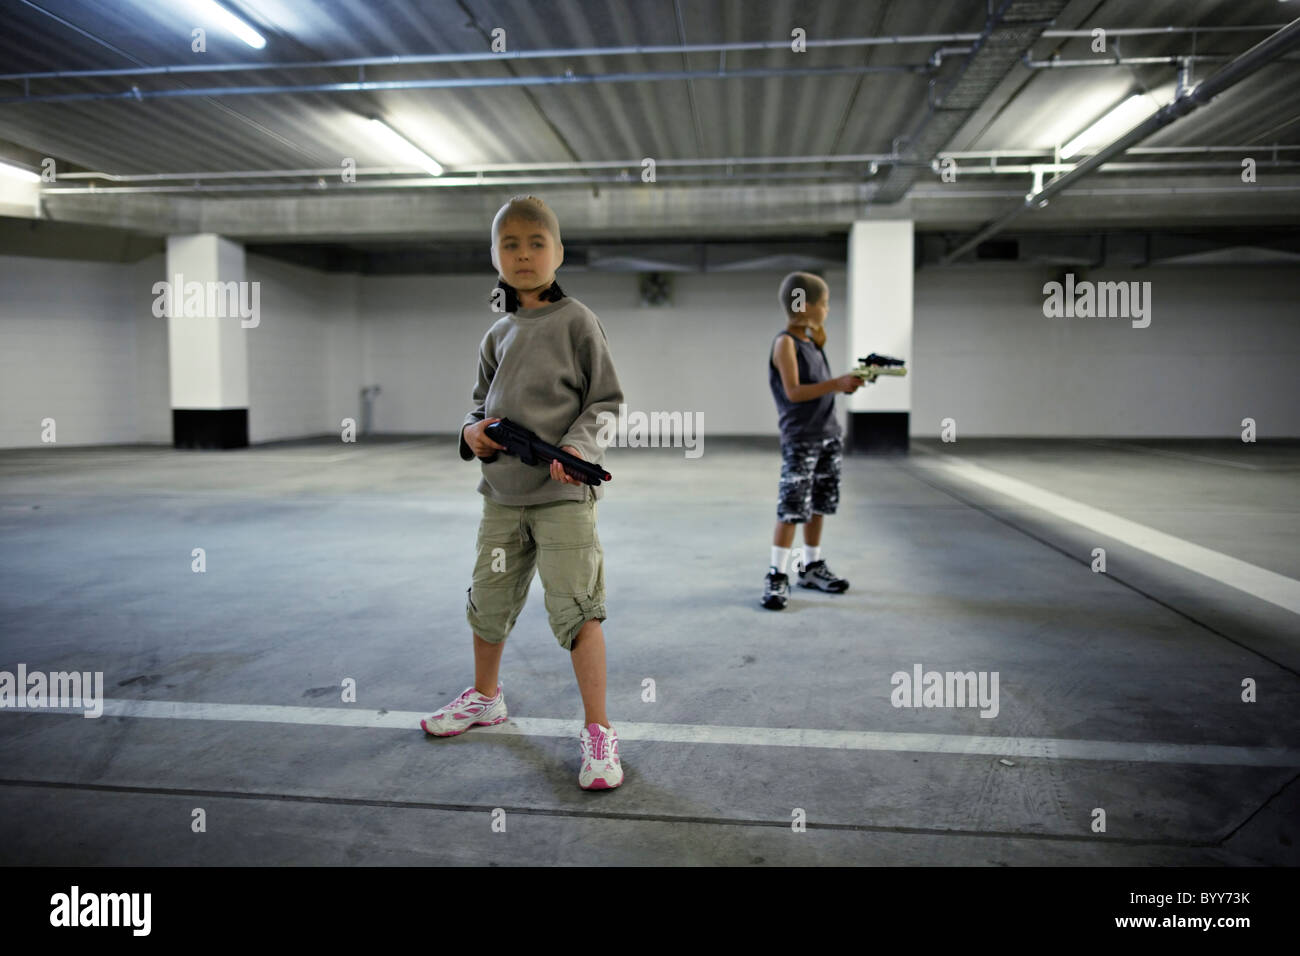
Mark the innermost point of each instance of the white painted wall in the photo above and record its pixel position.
(153, 410)
(301, 354)
(1223, 345)
(78, 342)
(420, 340)
(707, 354)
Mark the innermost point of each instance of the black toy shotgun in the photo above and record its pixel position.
(531, 450)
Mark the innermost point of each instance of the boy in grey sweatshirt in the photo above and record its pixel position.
(545, 365)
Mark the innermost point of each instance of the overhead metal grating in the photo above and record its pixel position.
(1009, 33)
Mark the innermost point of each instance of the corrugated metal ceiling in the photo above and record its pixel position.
(696, 118)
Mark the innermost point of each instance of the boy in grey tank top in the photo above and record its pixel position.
(804, 391)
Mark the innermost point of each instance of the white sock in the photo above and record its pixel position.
(780, 558)
(811, 554)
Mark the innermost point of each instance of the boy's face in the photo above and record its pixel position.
(820, 310)
(526, 255)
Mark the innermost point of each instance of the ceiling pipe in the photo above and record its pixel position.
(570, 165)
(852, 158)
(936, 60)
(1142, 150)
(452, 179)
(1153, 31)
(947, 192)
(568, 78)
(1260, 55)
(548, 54)
(1171, 60)
(442, 182)
(942, 193)
(324, 184)
(1024, 168)
(644, 50)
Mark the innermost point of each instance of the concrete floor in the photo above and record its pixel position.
(328, 561)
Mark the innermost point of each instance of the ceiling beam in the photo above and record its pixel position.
(1009, 33)
(1257, 57)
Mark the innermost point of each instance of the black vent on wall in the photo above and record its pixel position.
(1000, 249)
(656, 289)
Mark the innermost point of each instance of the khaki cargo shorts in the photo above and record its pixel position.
(559, 540)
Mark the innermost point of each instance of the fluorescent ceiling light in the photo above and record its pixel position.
(403, 147)
(1119, 120)
(211, 10)
(17, 172)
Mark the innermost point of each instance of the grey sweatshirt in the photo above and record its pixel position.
(549, 370)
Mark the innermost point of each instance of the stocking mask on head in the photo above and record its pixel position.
(552, 294)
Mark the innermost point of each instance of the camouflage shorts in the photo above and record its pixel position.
(810, 479)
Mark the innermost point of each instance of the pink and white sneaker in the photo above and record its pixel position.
(601, 769)
(468, 710)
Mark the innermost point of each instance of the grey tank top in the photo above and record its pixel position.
(804, 421)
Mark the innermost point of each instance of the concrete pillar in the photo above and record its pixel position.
(210, 314)
(880, 320)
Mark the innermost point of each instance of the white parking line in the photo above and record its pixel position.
(1250, 578)
(1050, 748)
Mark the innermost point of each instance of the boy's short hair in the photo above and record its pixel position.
(529, 209)
(814, 291)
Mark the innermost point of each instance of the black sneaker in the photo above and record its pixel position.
(818, 576)
(776, 591)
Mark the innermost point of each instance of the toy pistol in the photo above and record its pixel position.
(875, 365)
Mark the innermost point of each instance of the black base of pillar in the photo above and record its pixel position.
(210, 427)
(878, 433)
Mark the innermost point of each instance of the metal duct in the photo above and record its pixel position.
(1008, 36)
(1260, 55)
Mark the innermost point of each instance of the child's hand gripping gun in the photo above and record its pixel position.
(875, 365)
(531, 450)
